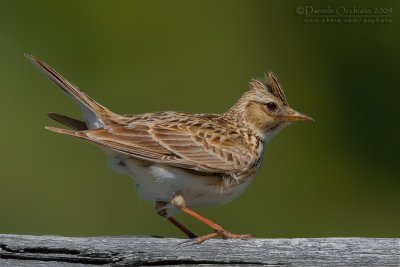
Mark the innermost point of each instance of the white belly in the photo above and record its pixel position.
(159, 182)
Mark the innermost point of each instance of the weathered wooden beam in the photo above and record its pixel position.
(24, 250)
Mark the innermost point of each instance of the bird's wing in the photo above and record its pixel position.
(190, 146)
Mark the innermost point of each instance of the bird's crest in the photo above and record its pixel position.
(274, 87)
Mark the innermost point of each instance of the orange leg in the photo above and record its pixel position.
(159, 206)
(178, 201)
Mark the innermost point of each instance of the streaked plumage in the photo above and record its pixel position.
(200, 159)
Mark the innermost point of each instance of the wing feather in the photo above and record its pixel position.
(181, 145)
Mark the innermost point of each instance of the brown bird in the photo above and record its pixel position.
(181, 160)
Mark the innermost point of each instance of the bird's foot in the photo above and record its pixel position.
(222, 233)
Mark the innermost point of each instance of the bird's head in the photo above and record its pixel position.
(265, 109)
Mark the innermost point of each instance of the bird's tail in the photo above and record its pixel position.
(95, 115)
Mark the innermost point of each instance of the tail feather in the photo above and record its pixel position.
(69, 122)
(95, 114)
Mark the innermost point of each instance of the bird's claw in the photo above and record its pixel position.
(223, 234)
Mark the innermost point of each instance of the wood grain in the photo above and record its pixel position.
(24, 250)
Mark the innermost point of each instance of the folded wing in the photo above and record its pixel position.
(185, 146)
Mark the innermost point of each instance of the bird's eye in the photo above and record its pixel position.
(271, 106)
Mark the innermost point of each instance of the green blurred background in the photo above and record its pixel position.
(337, 177)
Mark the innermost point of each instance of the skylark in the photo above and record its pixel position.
(181, 160)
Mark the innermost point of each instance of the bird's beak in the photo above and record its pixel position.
(293, 115)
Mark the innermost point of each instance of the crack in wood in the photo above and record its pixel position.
(42, 250)
(54, 254)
